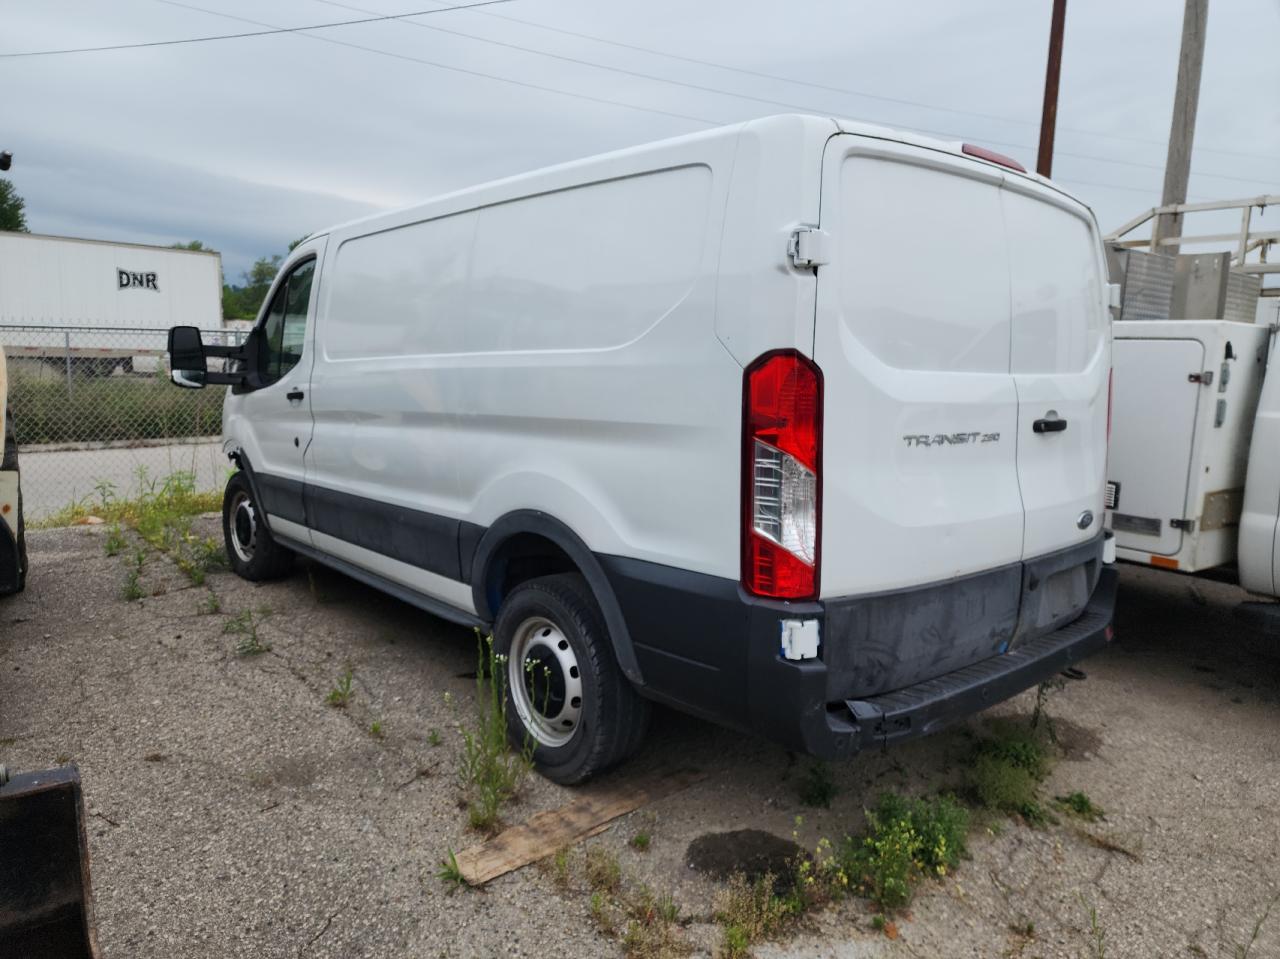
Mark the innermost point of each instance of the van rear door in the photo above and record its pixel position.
(920, 437)
(1060, 364)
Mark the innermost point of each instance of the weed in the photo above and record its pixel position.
(449, 871)
(878, 921)
(653, 931)
(906, 840)
(560, 867)
(603, 871)
(433, 737)
(1242, 952)
(161, 512)
(489, 772)
(132, 589)
(1023, 927)
(639, 842)
(376, 730)
(1097, 934)
(340, 695)
(602, 914)
(749, 912)
(211, 605)
(1006, 771)
(1079, 805)
(245, 626)
(115, 540)
(817, 787)
(1041, 712)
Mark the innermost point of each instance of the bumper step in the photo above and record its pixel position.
(929, 706)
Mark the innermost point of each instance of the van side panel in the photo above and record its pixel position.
(547, 344)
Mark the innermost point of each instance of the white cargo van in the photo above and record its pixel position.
(690, 423)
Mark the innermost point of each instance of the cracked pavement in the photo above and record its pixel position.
(233, 813)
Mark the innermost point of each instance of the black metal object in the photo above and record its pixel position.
(46, 904)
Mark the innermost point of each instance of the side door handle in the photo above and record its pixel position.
(1047, 425)
(295, 395)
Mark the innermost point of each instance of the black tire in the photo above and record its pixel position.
(612, 718)
(251, 551)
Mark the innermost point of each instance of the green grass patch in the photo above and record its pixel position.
(161, 511)
(1079, 805)
(1007, 768)
(44, 410)
(817, 785)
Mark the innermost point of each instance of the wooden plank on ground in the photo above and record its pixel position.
(546, 832)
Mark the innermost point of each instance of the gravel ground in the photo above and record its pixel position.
(232, 813)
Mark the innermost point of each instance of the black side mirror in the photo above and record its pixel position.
(187, 363)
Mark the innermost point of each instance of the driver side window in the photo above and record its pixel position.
(285, 325)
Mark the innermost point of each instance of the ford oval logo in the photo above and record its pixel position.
(1085, 520)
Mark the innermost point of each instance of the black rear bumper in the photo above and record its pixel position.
(706, 647)
(929, 706)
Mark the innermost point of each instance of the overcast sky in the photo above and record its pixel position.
(249, 143)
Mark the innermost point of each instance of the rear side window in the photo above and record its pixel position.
(924, 274)
(1056, 286)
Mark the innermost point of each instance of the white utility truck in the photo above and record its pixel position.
(95, 305)
(681, 424)
(1194, 471)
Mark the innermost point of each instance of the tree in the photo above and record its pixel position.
(195, 245)
(11, 209)
(294, 244)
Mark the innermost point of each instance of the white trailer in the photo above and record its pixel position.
(1194, 464)
(99, 303)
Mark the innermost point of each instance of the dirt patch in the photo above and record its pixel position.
(752, 852)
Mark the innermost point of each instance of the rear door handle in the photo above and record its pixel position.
(297, 395)
(1054, 425)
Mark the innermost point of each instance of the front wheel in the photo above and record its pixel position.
(565, 692)
(253, 554)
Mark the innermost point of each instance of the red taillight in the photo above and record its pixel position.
(781, 483)
(991, 156)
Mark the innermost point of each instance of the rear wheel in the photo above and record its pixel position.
(565, 692)
(253, 554)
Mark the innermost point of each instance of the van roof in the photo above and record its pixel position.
(799, 124)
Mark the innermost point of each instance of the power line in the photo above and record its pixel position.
(746, 96)
(254, 33)
(464, 70)
(845, 90)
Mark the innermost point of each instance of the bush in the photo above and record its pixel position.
(906, 839)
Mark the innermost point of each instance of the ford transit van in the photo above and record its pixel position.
(798, 425)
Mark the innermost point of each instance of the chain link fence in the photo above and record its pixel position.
(96, 415)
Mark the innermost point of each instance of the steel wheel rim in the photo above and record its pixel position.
(244, 527)
(545, 681)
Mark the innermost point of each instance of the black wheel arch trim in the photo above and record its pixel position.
(238, 457)
(550, 528)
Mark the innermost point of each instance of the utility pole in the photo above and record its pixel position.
(1182, 130)
(1049, 114)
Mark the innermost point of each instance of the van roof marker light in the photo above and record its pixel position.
(982, 153)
